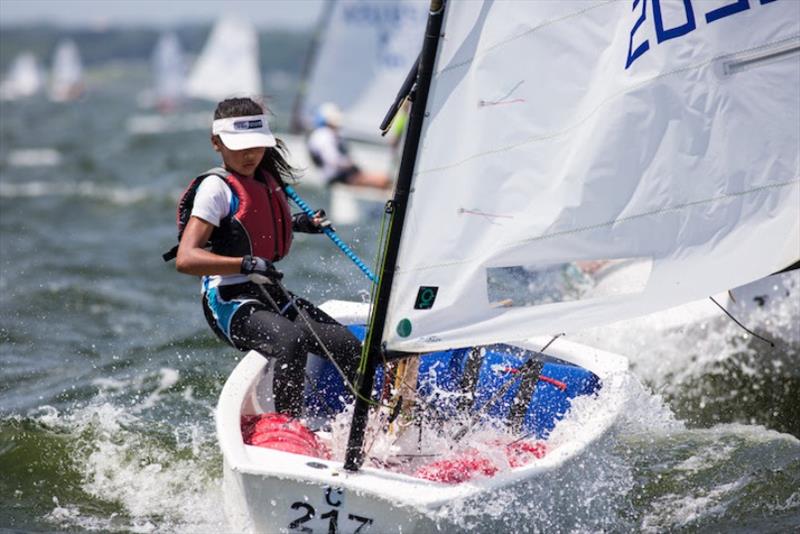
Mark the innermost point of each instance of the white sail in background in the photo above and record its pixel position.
(367, 49)
(25, 78)
(562, 134)
(169, 72)
(228, 65)
(66, 75)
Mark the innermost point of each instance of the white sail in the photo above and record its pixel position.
(584, 133)
(66, 75)
(169, 71)
(24, 78)
(228, 65)
(367, 49)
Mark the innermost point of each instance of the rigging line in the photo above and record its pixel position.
(484, 214)
(380, 260)
(743, 327)
(523, 371)
(349, 385)
(487, 103)
(318, 393)
(503, 99)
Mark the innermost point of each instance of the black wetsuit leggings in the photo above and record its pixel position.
(256, 324)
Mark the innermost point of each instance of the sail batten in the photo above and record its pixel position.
(567, 144)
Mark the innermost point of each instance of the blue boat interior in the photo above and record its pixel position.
(441, 390)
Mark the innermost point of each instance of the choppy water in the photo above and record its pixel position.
(109, 375)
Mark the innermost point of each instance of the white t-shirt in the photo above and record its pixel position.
(325, 143)
(212, 203)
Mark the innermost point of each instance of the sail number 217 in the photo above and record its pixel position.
(336, 520)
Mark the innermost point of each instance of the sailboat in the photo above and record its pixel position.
(66, 74)
(169, 72)
(362, 52)
(25, 78)
(167, 95)
(228, 65)
(544, 136)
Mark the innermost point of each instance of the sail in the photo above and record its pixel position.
(169, 70)
(66, 75)
(24, 78)
(228, 65)
(367, 48)
(562, 139)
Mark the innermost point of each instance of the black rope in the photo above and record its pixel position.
(317, 393)
(743, 327)
(348, 384)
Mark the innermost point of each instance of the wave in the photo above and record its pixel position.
(141, 456)
(116, 195)
(713, 371)
(108, 466)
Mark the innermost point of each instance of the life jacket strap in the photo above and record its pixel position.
(171, 254)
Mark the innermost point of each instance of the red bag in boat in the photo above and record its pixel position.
(458, 469)
(472, 463)
(281, 432)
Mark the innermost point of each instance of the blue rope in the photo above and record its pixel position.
(331, 234)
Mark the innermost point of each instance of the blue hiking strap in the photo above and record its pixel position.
(291, 193)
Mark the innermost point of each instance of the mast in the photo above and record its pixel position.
(368, 365)
(296, 125)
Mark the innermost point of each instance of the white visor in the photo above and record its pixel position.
(239, 133)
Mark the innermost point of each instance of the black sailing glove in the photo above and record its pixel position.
(305, 224)
(260, 270)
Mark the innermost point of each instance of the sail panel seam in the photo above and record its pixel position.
(524, 34)
(629, 218)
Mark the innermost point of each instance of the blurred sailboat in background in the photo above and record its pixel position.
(168, 67)
(66, 75)
(228, 66)
(167, 94)
(364, 52)
(25, 78)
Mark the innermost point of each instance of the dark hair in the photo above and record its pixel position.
(274, 160)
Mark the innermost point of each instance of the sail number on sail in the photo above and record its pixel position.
(665, 31)
(390, 20)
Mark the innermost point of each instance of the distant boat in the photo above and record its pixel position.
(25, 78)
(66, 76)
(228, 65)
(34, 157)
(169, 75)
(167, 94)
(364, 50)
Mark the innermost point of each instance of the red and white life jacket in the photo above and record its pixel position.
(259, 222)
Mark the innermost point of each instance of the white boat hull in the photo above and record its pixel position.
(268, 490)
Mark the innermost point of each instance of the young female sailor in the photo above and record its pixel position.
(241, 212)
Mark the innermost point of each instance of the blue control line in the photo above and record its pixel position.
(331, 234)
